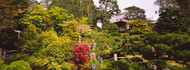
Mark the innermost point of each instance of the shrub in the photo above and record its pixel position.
(160, 64)
(115, 65)
(30, 39)
(18, 65)
(81, 52)
(136, 59)
(136, 66)
(70, 30)
(147, 52)
(65, 66)
(54, 46)
(16, 57)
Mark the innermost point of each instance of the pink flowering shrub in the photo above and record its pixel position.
(81, 52)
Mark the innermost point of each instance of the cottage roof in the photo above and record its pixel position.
(119, 18)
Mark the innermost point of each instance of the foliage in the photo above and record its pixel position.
(2, 65)
(17, 57)
(161, 49)
(54, 46)
(184, 56)
(30, 39)
(38, 17)
(135, 13)
(81, 52)
(172, 22)
(147, 52)
(111, 29)
(11, 11)
(45, 19)
(139, 27)
(18, 65)
(164, 4)
(136, 66)
(70, 30)
(160, 64)
(174, 4)
(115, 65)
(85, 20)
(82, 8)
(58, 15)
(109, 6)
(65, 66)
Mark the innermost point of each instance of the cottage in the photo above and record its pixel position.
(122, 22)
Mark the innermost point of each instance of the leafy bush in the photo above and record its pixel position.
(139, 27)
(147, 52)
(136, 66)
(18, 65)
(1, 64)
(161, 49)
(65, 66)
(33, 62)
(18, 56)
(70, 30)
(81, 52)
(54, 46)
(160, 64)
(136, 59)
(30, 40)
(115, 65)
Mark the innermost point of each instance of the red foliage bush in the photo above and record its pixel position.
(81, 52)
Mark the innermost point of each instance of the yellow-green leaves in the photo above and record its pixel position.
(70, 30)
(139, 27)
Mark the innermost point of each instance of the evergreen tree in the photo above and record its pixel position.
(135, 13)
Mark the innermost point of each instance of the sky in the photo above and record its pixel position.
(147, 5)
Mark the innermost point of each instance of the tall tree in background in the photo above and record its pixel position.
(80, 8)
(109, 6)
(11, 11)
(135, 13)
(172, 21)
(174, 4)
(185, 5)
(106, 9)
(164, 4)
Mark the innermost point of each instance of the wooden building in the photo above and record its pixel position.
(122, 22)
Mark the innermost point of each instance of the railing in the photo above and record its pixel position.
(4, 52)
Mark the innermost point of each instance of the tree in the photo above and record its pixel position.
(174, 4)
(45, 19)
(164, 4)
(109, 6)
(79, 8)
(185, 5)
(135, 13)
(11, 11)
(172, 22)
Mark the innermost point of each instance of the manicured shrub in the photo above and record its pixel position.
(18, 65)
(115, 65)
(147, 52)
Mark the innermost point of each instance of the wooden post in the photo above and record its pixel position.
(101, 61)
(79, 39)
(115, 57)
(4, 55)
(0, 53)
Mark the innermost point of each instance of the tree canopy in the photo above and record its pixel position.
(135, 13)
